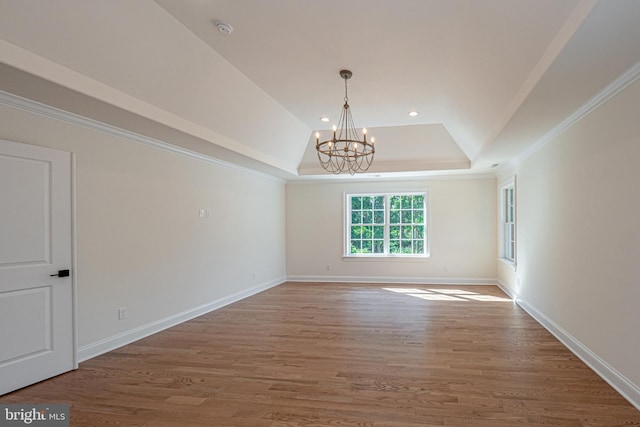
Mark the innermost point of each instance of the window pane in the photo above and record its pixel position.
(378, 217)
(394, 246)
(355, 246)
(508, 243)
(406, 202)
(367, 217)
(367, 246)
(394, 232)
(356, 217)
(356, 232)
(378, 232)
(378, 246)
(418, 232)
(418, 216)
(367, 203)
(394, 217)
(418, 247)
(394, 202)
(509, 204)
(367, 232)
(418, 201)
(406, 217)
(506, 205)
(356, 202)
(406, 247)
(407, 232)
(378, 202)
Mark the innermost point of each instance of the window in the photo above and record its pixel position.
(508, 220)
(386, 225)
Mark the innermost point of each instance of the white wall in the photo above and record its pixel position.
(578, 222)
(141, 243)
(462, 228)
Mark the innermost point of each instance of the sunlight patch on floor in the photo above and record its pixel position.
(447, 295)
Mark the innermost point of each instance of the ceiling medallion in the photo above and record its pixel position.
(345, 152)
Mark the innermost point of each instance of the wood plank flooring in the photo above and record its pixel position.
(366, 355)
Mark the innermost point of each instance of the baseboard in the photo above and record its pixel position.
(111, 343)
(626, 388)
(507, 290)
(395, 280)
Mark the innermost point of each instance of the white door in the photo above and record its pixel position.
(36, 308)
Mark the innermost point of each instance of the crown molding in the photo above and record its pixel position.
(14, 101)
(611, 90)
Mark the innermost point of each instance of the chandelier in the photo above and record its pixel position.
(345, 152)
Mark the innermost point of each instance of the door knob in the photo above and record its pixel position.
(61, 273)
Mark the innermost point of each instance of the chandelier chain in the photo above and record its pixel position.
(346, 95)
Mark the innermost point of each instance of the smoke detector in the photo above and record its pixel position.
(224, 27)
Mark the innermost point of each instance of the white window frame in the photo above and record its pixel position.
(508, 222)
(386, 254)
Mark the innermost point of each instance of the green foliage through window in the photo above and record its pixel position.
(391, 224)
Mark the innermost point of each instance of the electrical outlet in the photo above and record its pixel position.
(122, 313)
(209, 213)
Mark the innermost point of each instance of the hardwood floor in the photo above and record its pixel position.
(317, 355)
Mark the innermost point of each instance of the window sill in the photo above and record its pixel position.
(421, 258)
(509, 262)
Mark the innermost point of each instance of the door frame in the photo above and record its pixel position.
(74, 261)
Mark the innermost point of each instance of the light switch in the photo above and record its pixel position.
(201, 213)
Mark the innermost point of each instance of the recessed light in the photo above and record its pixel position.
(324, 119)
(413, 113)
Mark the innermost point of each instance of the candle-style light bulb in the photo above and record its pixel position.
(373, 141)
(317, 136)
(335, 128)
(364, 134)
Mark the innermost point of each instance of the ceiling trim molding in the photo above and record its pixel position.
(341, 179)
(60, 75)
(13, 101)
(577, 17)
(611, 90)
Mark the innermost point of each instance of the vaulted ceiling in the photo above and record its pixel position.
(489, 79)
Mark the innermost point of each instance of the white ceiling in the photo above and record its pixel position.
(489, 78)
(460, 63)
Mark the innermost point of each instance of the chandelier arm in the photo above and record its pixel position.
(352, 129)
